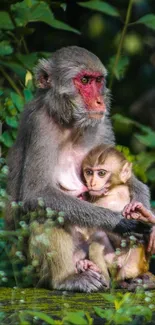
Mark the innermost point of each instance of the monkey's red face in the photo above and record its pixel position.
(90, 86)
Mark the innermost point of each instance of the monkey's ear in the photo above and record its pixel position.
(42, 74)
(126, 172)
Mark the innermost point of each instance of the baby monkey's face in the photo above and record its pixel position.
(97, 180)
(100, 178)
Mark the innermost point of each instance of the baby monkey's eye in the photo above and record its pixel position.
(88, 172)
(102, 172)
(85, 80)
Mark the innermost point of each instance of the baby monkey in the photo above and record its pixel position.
(107, 175)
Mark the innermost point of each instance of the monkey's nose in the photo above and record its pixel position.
(93, 183)
(99, 103)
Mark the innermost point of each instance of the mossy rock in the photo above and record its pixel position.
(17, 304)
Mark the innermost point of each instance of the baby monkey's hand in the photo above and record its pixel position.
(137, 211)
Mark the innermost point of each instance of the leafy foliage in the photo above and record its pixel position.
(143, 161)
(126, 307)
(148, 21)
(100, 6)
(120, 68)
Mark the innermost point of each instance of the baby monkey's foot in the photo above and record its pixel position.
(83, 265)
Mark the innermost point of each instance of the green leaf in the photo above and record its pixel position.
(121, 67)
(2, 316)
(1, 92)
(151, 174)
(39, 11)
(122, 119)
(11, 109)
(104, 313)
(28, 95)
(147, 139)
(5, 48)
(44, 54)
(122, 318)
(17, 68)
(29, 80)
(28, 60)
(14, 133)
(100, 6)
(153, 204)
(150, 134)
(76, 318)
(125, 299)
(148, 21)
(6, 139)
(17, 100)
(139, 311)
(1, 223)
(5, 21)
(145, 159)
(125, 120)
(12, 121)
(61, 25)
(109, 297)
(40, 315)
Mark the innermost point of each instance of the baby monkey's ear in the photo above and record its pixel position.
(126, 172)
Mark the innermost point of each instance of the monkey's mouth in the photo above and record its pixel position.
(95, 115)
(102, 191)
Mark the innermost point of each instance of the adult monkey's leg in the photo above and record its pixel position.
(53, 249)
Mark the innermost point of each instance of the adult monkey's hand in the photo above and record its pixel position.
(137, 211)
(151, 245)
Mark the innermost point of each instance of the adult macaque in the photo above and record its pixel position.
(108, 175)
(68, 117)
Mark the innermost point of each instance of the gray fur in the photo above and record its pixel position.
(88, 281)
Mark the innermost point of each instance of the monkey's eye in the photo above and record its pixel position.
(99, 79)
(102, 173)
(85, 80)
(88, 172)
